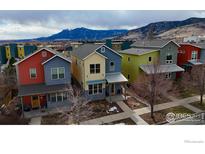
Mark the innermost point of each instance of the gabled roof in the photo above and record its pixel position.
(194, 45)
(200, 45)
(37, 51)
(85, 50)
(137, 51)
(157, 44)
(58, 55)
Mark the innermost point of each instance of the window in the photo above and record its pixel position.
(61, 73)
(168, 75)
(95, 89)
(169, 59)
(54, 72)
(44, 54)
(58, 73)
(128, 58)
(90, 89)
(102, 49)
(112, 66)
(94, 68)
(194, 55)
(97, 68)
(128, 76)
(150, 59)
(53, 97)
(58, 97)
(33, 74)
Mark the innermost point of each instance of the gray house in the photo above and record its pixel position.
(168, 55)
(202, 52)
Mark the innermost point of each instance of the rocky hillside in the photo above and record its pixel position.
(168, 29)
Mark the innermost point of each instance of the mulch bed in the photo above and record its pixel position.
(134, 104)
(99, 108)
(160, 116)
(13, 120)
(127, 121)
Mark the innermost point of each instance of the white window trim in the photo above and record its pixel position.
(58, 68)
(93, 89)
(56, 96)
(102, 50)
(195, 54)
(30, 73)
(95, 68)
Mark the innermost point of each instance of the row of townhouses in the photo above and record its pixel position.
(45, 76)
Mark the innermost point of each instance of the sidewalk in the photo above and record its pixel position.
(35, 121)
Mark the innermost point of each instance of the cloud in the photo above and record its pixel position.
(31, 24)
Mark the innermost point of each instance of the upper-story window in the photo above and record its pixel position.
(169, 59)
(33, 73)
(128, 58)
(112, 66)
(44, 54)
(150, 59)
(102, 49)
(57, 73)
(194, 55)
(94, 68)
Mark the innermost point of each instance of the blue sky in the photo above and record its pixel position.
(31, 24)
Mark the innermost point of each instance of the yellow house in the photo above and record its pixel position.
(21, 52)
(8, 52)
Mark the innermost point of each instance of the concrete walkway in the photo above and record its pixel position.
(169, 105)
(192, 108)
(127, 113)
(35, 121)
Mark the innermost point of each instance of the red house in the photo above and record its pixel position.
(188, 55)
(42, 77)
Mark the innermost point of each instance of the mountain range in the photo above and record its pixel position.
(168, 29)
(83, 34)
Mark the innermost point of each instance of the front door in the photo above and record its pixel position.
(35, 102)
(113, 89)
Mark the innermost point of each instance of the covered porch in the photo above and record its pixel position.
(115, 87)
(41, 97)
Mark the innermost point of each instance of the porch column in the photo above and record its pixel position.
(125, 91)
(21, 101)
(109, 92)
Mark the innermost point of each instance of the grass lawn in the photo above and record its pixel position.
(99, 109)
(160, 116)
(127, 121)
(198, 105)
(134, 104)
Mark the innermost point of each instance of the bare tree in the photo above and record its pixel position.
(195, 79)
(79, 109)
(152, 85)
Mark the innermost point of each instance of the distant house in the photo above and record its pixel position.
(202, 52)
(43, 79)
(2, 55)
(97, 68)
(168, 51)
(188, 55)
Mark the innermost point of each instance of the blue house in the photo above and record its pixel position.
(2, 55)
(29, 49)
(97, 68)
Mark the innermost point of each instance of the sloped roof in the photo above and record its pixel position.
(115, 77)
(137, 51)
(36, 89)
(149, 69)
(157, 44)
(85, 50)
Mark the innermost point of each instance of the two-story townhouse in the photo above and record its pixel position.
(188, 55)
(134, 58)
(44, 79)
(168, 56)
(97, 68)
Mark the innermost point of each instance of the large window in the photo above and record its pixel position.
(33, 73)
(169, 59)
(95, 89)
(94, 68)
(57, 73)
(194, 55)
(58, 97)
